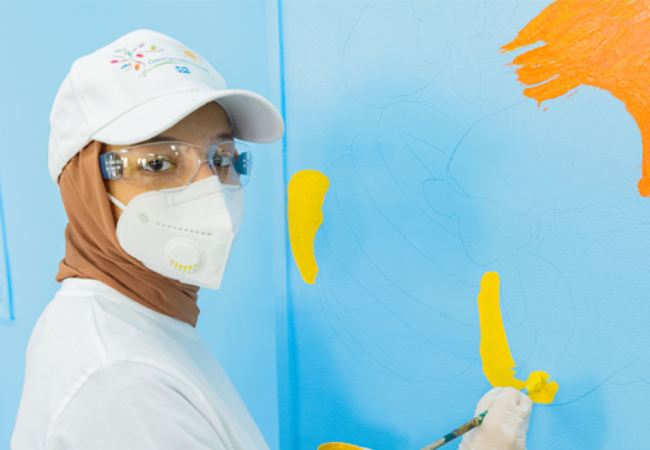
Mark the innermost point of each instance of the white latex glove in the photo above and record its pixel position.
(505, 425)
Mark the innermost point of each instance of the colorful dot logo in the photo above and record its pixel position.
(133, 58)
(140, 61)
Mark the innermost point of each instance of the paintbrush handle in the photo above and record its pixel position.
(475, 422)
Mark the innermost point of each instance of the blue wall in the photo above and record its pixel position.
(40, 41)
(441, 170)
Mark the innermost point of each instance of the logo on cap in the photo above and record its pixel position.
(134, 58)
(140, 60)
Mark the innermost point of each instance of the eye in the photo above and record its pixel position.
(221, 160)
(157, 165)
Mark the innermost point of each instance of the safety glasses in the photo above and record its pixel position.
(172, 164)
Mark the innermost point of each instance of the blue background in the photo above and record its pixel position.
(440, 171)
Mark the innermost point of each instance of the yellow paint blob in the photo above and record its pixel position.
(498, 364)
(340, 446)
(306, 193)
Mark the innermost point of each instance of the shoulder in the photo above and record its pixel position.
(63, 348)
(67, 314)
(64, 339)
(131, 405)
(102, 325)
(134, 380)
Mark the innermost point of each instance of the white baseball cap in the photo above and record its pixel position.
(139, 86)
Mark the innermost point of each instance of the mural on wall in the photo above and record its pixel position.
(443, 168)
(604, 44)
(306, 193)
(498, 364)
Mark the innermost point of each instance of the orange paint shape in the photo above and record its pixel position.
(599, 43)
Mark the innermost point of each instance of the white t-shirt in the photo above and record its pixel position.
(105, 372)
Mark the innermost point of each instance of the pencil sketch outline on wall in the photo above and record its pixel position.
(416, 207)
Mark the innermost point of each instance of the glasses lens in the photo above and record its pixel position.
(232, 163)
(165, 165)
(156, 166)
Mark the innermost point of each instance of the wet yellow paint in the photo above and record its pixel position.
(604, 44)
(306, 193)
(498, 364)
(340, 446)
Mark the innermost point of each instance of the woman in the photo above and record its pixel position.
(142, 148)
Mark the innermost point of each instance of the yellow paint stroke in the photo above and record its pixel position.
(340, 446)
(599, 43)
(306, 192)
(498, 364)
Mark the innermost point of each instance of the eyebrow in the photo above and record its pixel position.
(164, 138)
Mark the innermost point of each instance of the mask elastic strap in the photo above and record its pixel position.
(143, 217)
(121, 205)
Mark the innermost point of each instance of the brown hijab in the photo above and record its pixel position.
(93, 251)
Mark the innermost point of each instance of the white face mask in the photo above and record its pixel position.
(183, 233)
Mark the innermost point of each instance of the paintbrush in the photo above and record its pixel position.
(535, 386)
(538, 383)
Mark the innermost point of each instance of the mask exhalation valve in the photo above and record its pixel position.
(183, 255)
